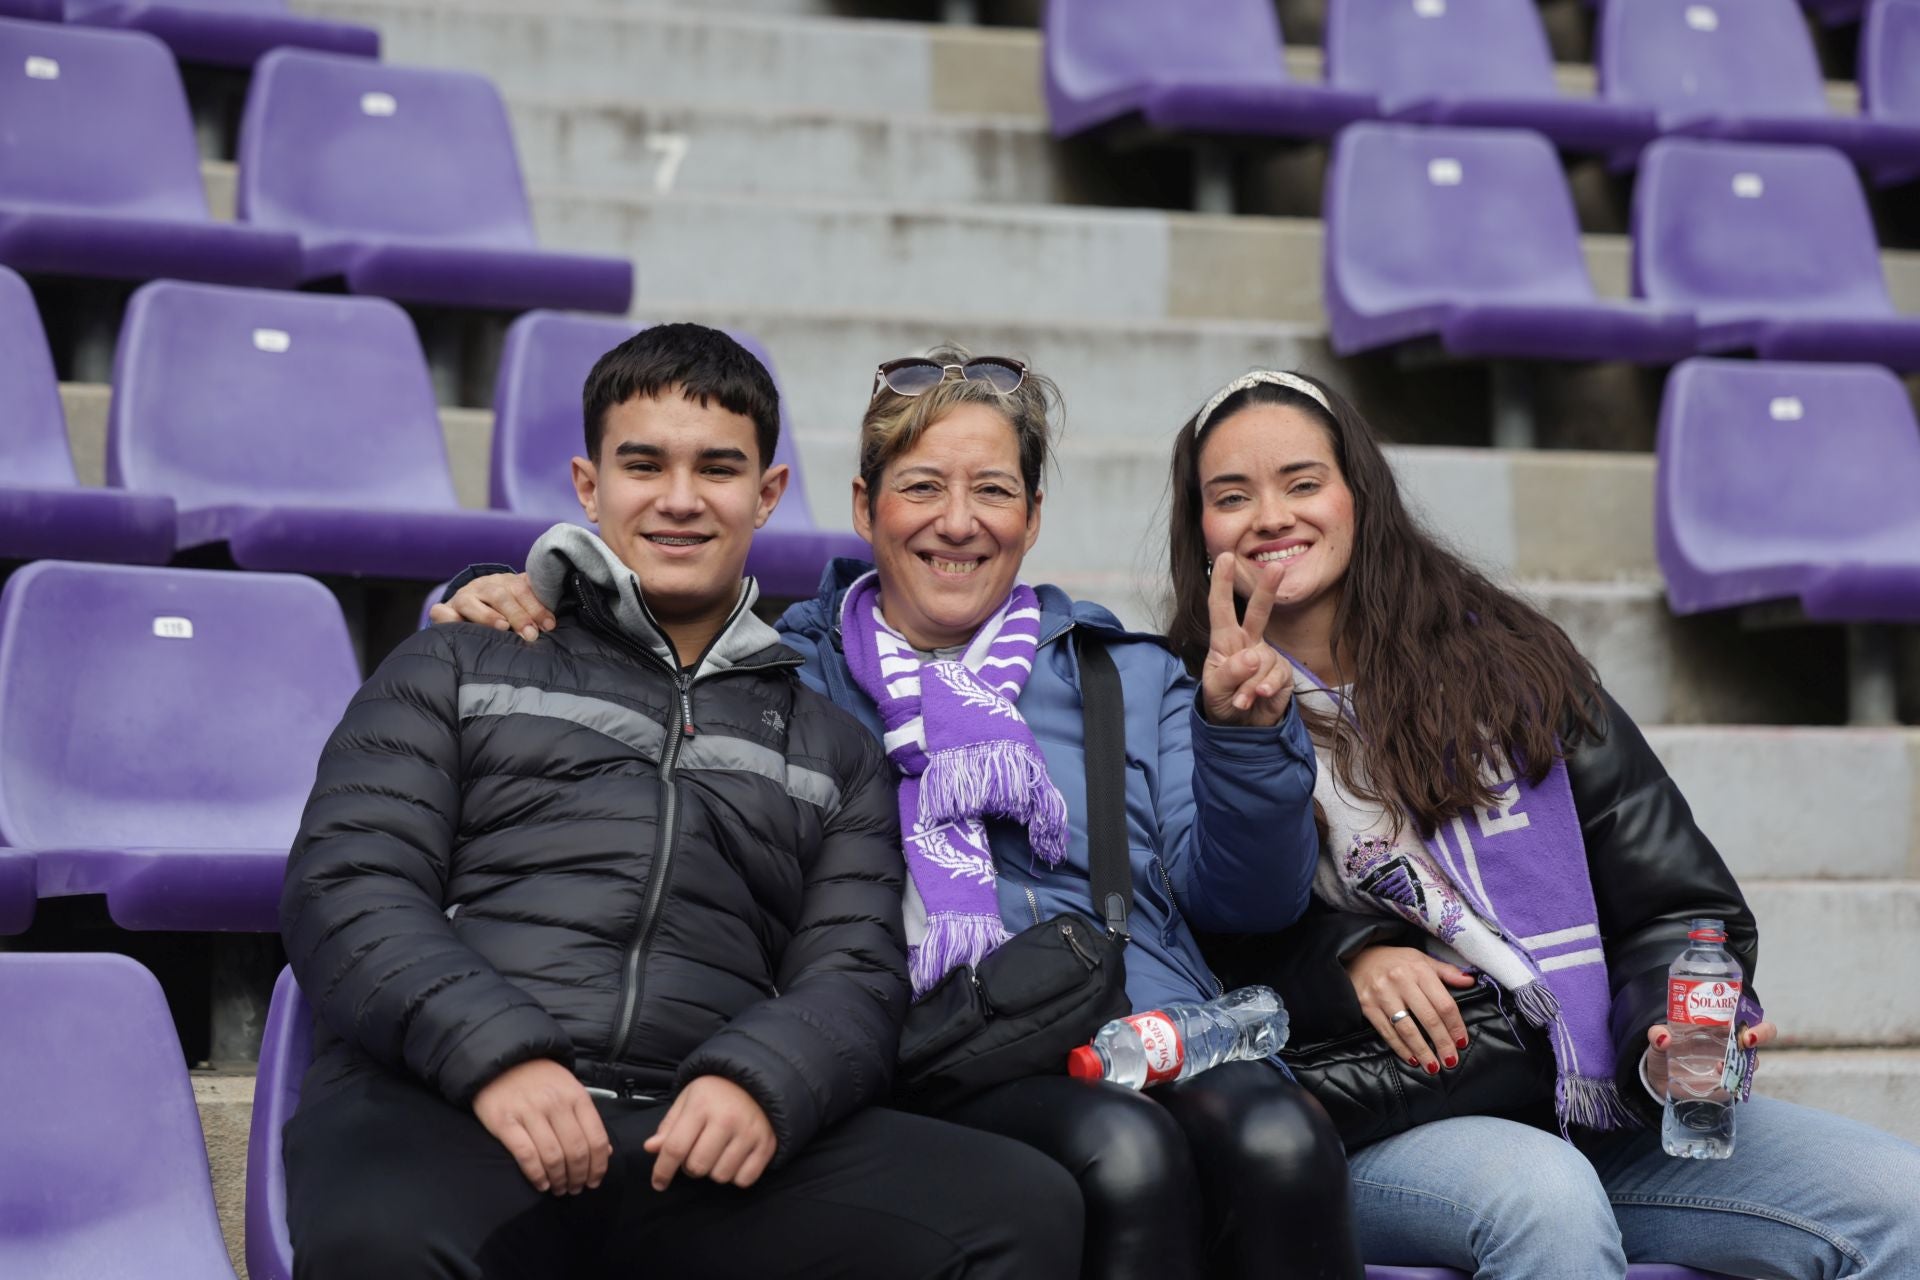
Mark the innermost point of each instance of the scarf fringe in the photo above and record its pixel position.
(952, 940)
(1591, 1103)
(1537, 1003)
(1004, 779)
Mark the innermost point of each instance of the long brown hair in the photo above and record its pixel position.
(1443, 663)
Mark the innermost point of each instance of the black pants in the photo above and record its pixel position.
(385, 1179)
(1235, 1172)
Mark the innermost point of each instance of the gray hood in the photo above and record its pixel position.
(567, 549)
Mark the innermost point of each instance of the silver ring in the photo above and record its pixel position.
(1398, 1017)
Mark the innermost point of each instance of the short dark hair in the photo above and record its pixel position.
(705, 364)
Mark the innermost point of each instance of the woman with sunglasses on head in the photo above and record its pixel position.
(1233, 1172)
(1554, 891)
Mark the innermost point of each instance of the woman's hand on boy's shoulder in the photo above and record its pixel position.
(1244, 681)
(503, 601)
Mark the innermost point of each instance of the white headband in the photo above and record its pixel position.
(1269, 377)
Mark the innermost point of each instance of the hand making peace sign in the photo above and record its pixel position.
(1244, 680)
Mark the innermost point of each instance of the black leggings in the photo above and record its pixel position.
(1236, 1172)
(387, 1181)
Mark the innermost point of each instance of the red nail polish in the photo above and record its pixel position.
(1662, 1042)
(1413, 1062)
(1461, 1043)
(1433, 1069)
(1452, 1061)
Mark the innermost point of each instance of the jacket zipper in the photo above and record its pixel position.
(632, 979)
(1033, 903)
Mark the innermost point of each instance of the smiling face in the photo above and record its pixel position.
(950, 521)
(1271, 491)
(677, 492)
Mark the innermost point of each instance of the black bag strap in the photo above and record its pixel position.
(1104, 711)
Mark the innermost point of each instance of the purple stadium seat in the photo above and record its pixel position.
(103, 1170)
(1835, 13)
(228, 33)
(18, 891)
(99, 174)
(1779, 481)
(1742, 70)
(33, 10)
(44, 513)
(298, 429)
(1200, 66)
(404, 182)
(1772, 247)
(537, 429)
(284, 1053)
(1470, 62)
(1890, 72)
(158, 729)
(1469, 236)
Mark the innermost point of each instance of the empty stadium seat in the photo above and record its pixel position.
(1201, 66)
(1742, 70)
(18, 891)
(1470, 62)
(1789, 481)
(537, 429)
(230, 33)
(404, 183)
(298, 429)
(1890, 72)
(1469, 236)
(158, 732)
(99, 173)
(1772, 247)
(285, 1050)
(44, 513)
(103, 1170)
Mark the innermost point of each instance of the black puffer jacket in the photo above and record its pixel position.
(1652, 869)
(519, 851)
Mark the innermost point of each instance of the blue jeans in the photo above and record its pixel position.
(1805, 1194)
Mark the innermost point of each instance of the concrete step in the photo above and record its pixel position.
(618, 145)
(1837, 960)
(1749, 786)
(713, 55)
(980, 261)
(1880, 1087)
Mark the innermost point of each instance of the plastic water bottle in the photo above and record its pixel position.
(1183, 1040)
(1703, 994)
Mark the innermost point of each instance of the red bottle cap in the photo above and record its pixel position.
(1706, 935)
(1084, 1064)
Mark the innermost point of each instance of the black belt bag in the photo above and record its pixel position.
(1048, 989)
(1371, 1093)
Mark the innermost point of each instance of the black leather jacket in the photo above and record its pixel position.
(1653, 870)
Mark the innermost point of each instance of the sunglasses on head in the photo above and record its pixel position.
(917, 375)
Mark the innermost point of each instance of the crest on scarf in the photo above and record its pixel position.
(937, 846)
(971, 692)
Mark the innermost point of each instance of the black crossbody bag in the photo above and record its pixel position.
(1045, 991)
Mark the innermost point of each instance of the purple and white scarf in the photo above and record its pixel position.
(964, 754)
(1515, 901)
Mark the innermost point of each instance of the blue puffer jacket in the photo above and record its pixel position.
(1219, 820)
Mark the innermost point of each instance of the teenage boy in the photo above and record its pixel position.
(603, 934)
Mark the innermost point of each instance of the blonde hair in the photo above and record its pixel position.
(894, 423)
